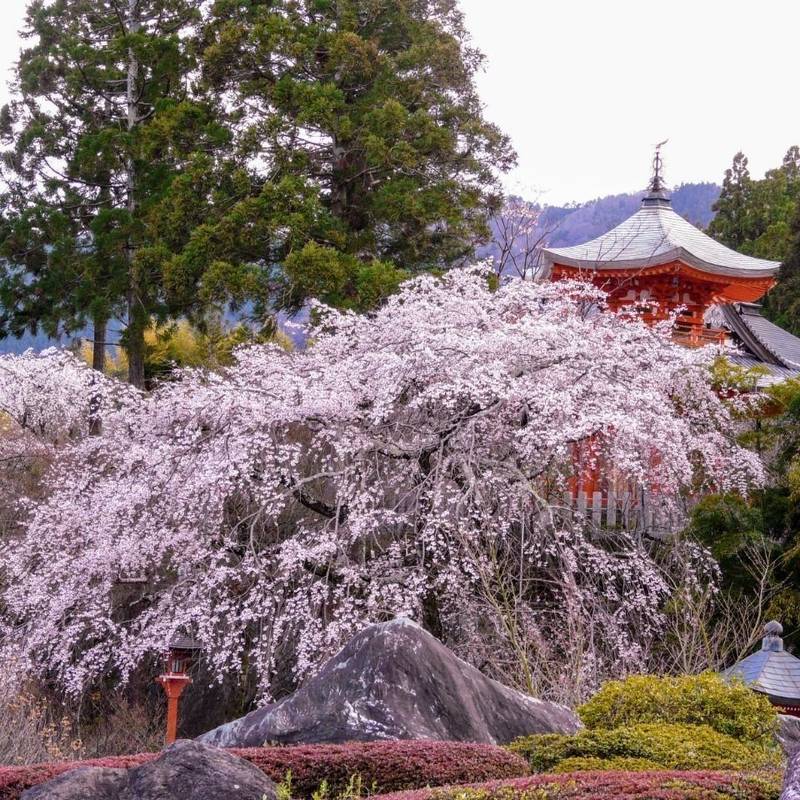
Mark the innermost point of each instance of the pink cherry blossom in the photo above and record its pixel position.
(408, 463)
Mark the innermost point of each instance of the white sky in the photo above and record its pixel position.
(585, 88)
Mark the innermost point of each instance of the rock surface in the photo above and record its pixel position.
(791, 779)
(186, 770)
(396, 681)
(789, 733)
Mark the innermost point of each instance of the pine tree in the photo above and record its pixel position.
(762, 218)
(783, 300)
(367, 135)
(108, 167)
(732, 224)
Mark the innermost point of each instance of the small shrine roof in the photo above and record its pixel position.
(770, 670)
(656, 235)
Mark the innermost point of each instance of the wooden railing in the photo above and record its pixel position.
(624, 511)
(695, 336)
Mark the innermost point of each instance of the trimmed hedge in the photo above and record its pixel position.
(386, 766)
(612, 786)
(729, 708)
(594, 764)
(683, 747)
(382, 766)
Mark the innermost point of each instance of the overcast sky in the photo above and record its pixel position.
(585, 88)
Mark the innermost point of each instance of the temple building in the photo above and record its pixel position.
(658, 262)
(771, 671)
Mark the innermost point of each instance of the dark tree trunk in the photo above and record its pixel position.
(135, 349)
(100, 325)
(136, 325)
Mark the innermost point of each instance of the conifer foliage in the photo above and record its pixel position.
(366, 121)
(100, 125)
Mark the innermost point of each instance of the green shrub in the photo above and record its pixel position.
(683, 747)
(729, 708)
(615, 786)
(591, 764)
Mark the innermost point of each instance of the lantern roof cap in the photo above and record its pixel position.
(184, 643)
(770, 670)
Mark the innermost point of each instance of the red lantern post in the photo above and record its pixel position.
(175, 679)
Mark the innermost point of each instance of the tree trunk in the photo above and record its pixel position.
(134, 334)
(135, 350)
(99, 326)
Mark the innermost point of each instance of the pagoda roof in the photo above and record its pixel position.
(656, 235)
(770, 670)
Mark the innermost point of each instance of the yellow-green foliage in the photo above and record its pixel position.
(182, 345)
(681, 747)
(727, 375)
(620, 786)
(593, 764)
(729, 708)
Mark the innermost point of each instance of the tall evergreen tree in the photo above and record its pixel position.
(732, 225)
(783, 301)
(762, 218)
(364, 130)
(754, 216)
(108, 167)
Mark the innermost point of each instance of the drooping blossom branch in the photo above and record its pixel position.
(275, 509)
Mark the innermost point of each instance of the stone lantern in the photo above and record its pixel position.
(772, 671)
(175, 678)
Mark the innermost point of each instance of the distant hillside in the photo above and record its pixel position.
(570, 225)
(38, 342)
(562, 225)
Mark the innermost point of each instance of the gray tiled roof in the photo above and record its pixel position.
(657, 235)
(775, 372)
(771, 670)
(760, 342)
(776, 343)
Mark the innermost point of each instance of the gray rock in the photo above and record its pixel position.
(789, 733)
(791, 779)
(396, 681)
(186, 770)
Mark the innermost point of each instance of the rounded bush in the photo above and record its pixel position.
(684, 747)
(729, 708)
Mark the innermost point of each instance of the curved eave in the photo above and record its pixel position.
(560, 256)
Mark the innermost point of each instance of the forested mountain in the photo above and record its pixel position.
(523, 227)
(575, 224)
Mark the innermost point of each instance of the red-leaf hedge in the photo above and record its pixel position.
(388, 766)
(666, 785)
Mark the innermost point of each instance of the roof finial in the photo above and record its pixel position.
(656, 184)
(657, 193)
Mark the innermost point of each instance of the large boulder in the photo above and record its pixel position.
(396, 681)
(186, 770)
(789, 733)
(791, 779)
